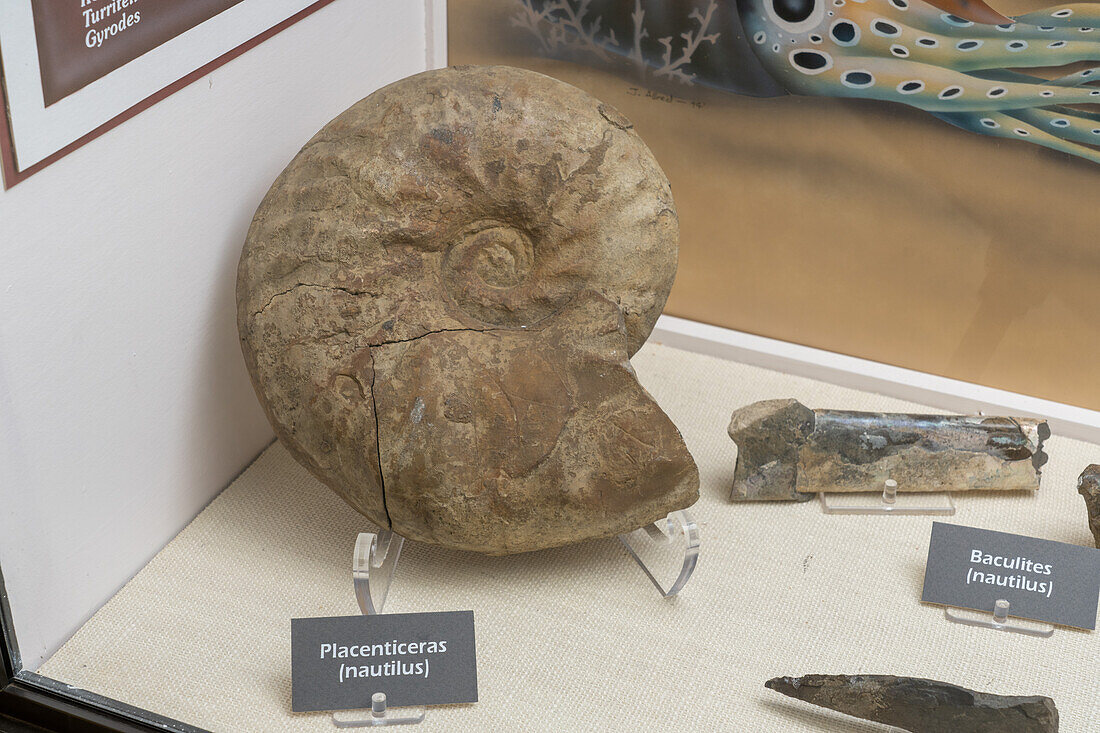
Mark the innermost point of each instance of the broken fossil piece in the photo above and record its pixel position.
(1088, 485)
(437, 302)
(786, 451)
(921, 706)
(511, 440)
(769, 436)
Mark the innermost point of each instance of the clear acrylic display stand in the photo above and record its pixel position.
(373, 565)
(667, 551)
(889, 502)
(999, 621)
(374, 562)
(378, 714)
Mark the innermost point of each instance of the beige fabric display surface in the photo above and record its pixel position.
(577, 638)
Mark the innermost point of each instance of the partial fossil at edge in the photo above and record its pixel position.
(1089, 487)
(786, 451)
(920, 705)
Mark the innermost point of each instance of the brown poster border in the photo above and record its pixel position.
(12, 176)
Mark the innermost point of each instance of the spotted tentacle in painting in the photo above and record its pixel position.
(959, 60)
(957, 69)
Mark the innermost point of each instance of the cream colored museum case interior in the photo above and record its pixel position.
(657, 521)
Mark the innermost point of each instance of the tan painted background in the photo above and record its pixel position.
(869, 229)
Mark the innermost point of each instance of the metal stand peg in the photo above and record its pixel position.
(379, 715)
(917, 503)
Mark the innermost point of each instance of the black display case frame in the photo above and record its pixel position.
(32, 703)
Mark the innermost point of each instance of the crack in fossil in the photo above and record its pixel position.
(374, 401)
(294, 287)
(378, 442)
(518, 329)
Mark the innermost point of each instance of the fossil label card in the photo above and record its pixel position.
(1042, 580)
(337, 663)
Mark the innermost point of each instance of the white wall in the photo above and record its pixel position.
(124, 402)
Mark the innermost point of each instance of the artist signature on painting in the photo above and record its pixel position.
(668, 98)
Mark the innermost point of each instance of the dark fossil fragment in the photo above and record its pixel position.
(920, 705)
(1089, 487)
(787, 451)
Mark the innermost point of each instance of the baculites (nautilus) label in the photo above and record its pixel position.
(1042, 580)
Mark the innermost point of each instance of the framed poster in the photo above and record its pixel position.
(906, 181)
(72, 70)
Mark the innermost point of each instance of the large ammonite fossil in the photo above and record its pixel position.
(438, 299)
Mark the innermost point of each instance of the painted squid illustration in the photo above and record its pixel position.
(1026, 78)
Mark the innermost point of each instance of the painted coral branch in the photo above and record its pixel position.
(674, 69)
(570, 19)
(558, 24)
(531, 19)
(640, 33)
